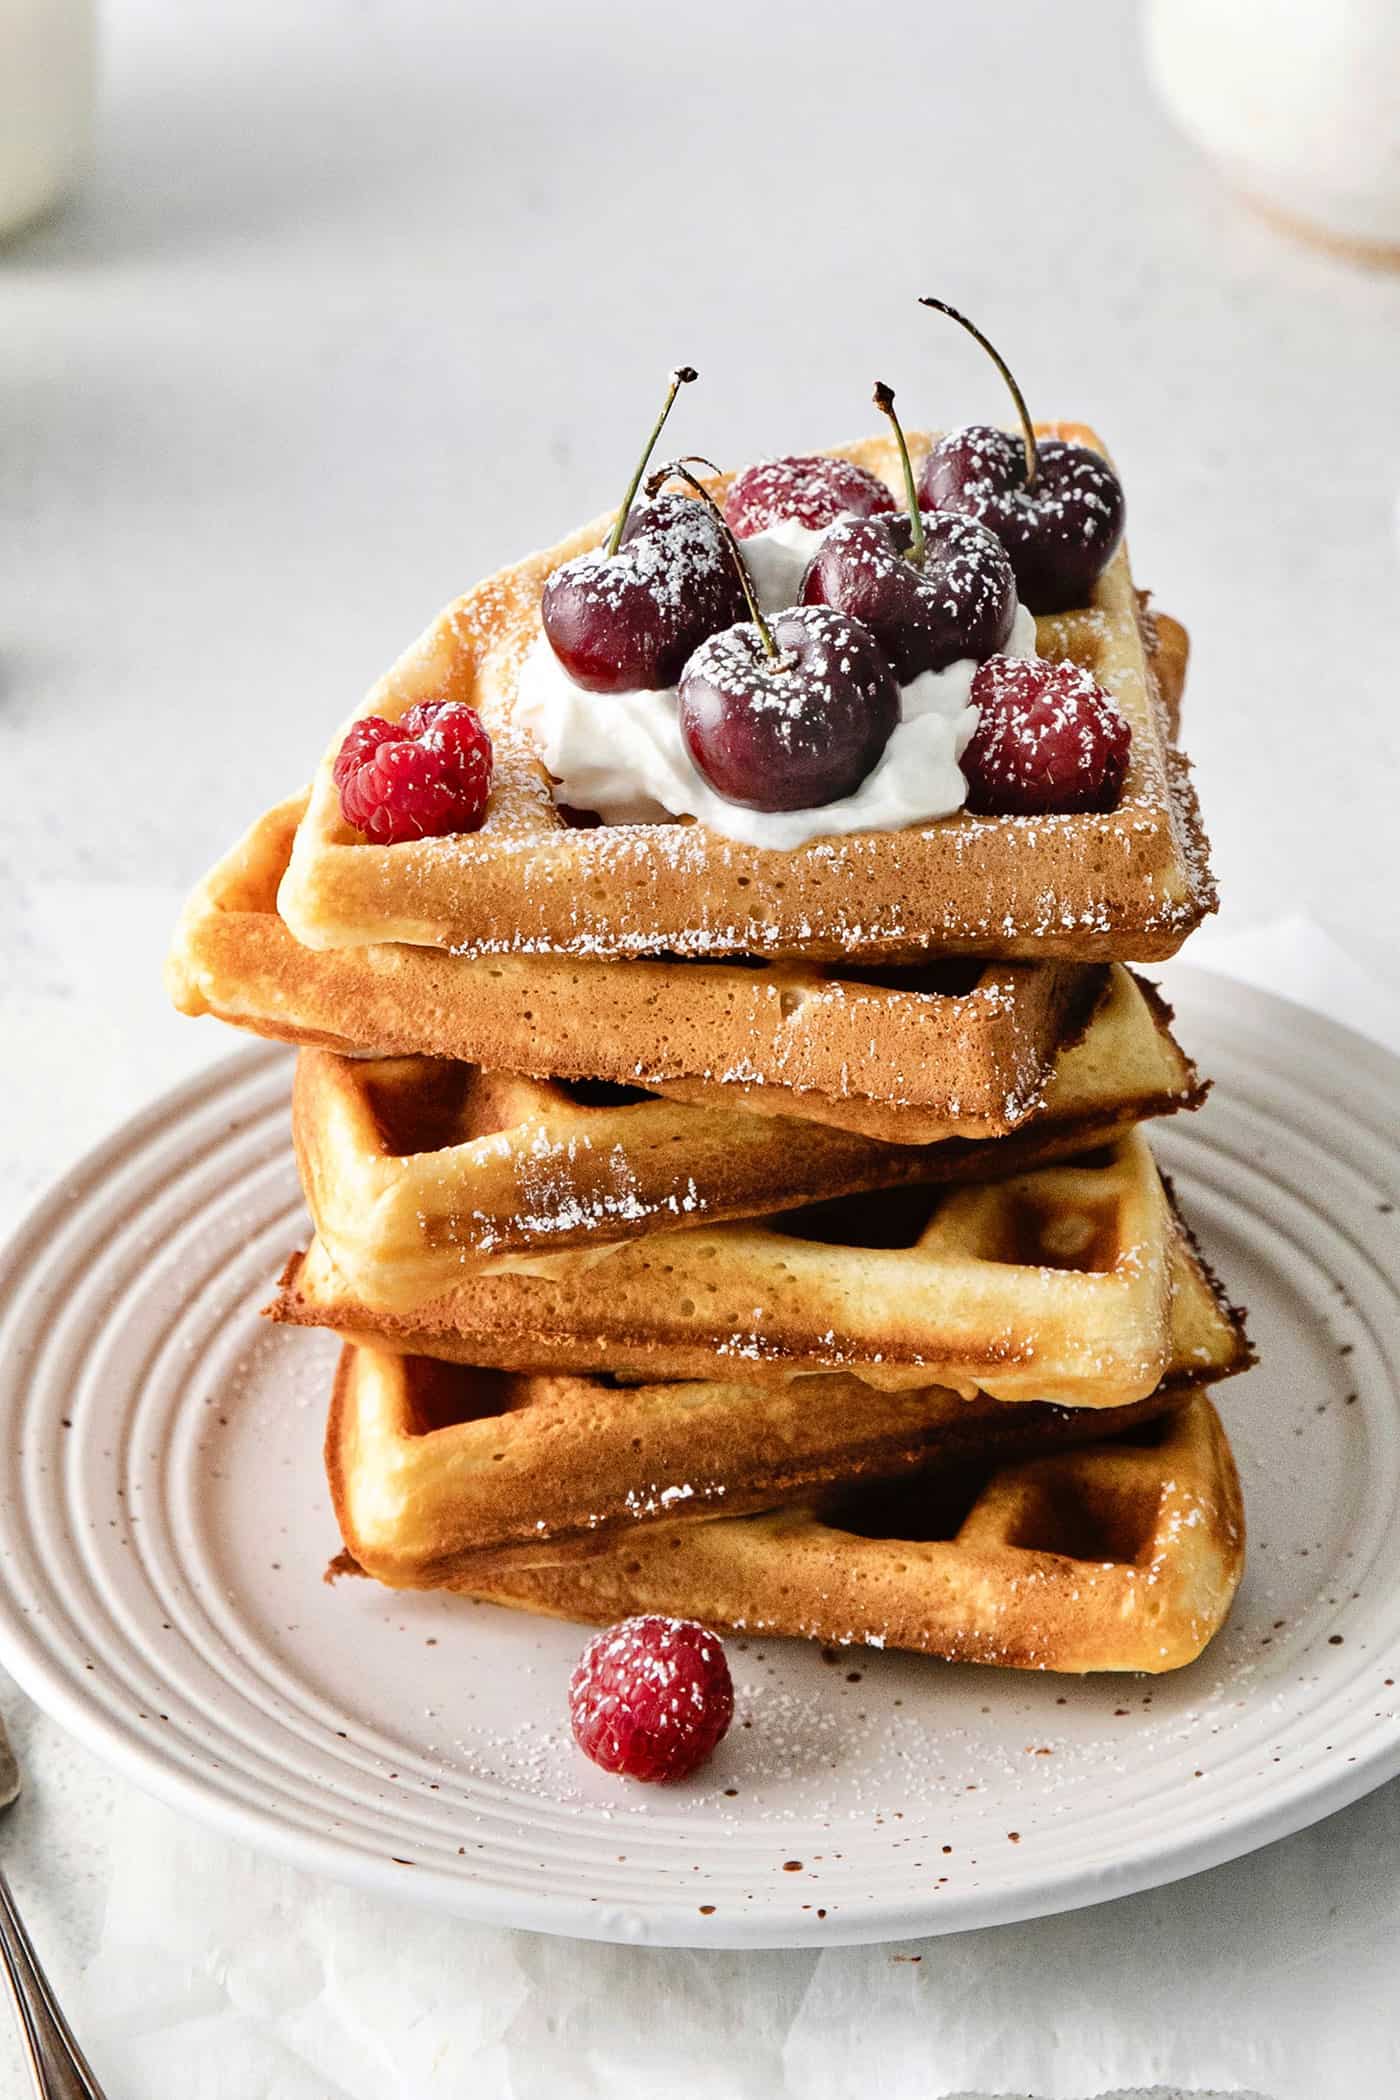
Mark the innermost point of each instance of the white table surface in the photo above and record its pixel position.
(369, 295)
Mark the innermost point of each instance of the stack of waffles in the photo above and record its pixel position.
(767, 1237)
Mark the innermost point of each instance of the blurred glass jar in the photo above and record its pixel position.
(1299, 103)
(48, 68)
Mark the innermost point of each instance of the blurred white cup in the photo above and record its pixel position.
(1297, 100)
(47, 90)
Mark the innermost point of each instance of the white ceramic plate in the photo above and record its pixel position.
(165, 1531)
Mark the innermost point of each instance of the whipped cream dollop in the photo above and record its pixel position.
(777, 560)
(623, 755)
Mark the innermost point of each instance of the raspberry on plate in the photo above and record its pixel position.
(651, 1697)
(420, 777)
(808, 489)
(1048, 741)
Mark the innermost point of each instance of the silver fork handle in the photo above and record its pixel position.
(59, 2068)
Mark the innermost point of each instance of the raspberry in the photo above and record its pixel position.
(362, 740)
(809, 488)
(417, 778)
(1048, 740)
(651, 1698)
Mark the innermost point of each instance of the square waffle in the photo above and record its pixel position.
(1111, 1064)
(439, 1470)
(1118, 1555)
(414, 1166)
(1128, 885)
(1053, 1285)
(969, 1046)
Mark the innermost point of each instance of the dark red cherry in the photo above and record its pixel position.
(931, 589)
(958, 601)
(625, 616)
(1056, 507)
(795, 730)
(1060, 533)
(628, 620)
(807, 488)
(622, 622)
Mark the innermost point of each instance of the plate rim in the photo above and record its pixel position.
(1310, 1797)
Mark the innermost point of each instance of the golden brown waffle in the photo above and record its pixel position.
(1053, 1285)
(413, 1166)
(969, 1046)
(1110, 1064)
(1122, 1555)
(440, 1470)
(1129, 885)
(1168, 651)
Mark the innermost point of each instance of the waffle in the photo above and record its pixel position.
(1168, 650)
(413, 1167)
(439, 1470)
(1122, 1555)
(1116, 1065)
(1128, 885)
(970, 1046)
(1053, 1285)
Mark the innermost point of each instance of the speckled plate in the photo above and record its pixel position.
(165, 1531)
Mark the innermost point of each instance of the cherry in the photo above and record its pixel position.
(794, 725)
(625, 616)
(931, 588)
(808, 489)
(790, 715)
(1057, 508)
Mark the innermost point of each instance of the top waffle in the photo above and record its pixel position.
(1127, 885)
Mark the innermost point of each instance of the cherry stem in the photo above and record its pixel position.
(884, 401)
(682, 376)
(679, 470)
(1027, 427)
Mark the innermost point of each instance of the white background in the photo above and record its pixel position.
(368, 296)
